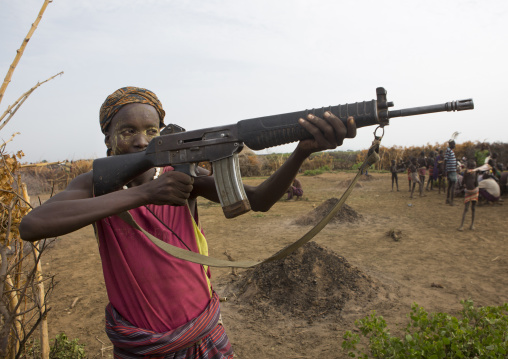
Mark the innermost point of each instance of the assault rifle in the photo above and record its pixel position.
(221, 145)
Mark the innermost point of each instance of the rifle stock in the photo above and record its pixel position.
(220, 146)
(111, 173)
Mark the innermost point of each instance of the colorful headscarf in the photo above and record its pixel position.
(124, 96)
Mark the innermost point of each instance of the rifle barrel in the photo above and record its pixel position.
(459, 105)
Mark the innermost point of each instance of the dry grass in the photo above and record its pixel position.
(55, 177)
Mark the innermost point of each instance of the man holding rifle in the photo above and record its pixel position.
(161, 306)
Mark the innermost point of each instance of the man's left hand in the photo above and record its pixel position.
(329, 132)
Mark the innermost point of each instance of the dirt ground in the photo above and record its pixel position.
(385, 253)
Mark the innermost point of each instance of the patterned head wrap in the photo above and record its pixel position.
(125, 96)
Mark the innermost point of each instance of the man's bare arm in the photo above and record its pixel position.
(76, 207)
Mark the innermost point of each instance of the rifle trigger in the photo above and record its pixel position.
(187, 168)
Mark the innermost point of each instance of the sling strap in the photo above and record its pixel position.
(372, 158)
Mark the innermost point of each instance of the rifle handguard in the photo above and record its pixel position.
(228, 182)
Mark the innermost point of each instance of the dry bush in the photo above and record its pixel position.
(318, 160)
(502, 150)
(13, 207)
(272, 162)
(22, 295)
(250, 164)
(53, 177)
(344, 160)
(79, 167)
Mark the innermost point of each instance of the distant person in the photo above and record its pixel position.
(414, 176)
(492, 162)
(409, 175)
(295, 190)
(394, 169)
(470, 183)
(451, 172)
(503, 179)
(439, 166)
(459, 188)
(462, 166)
(430, 168)
(422, 170)
(489, 189)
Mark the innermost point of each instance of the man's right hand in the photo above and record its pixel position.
(171, 188)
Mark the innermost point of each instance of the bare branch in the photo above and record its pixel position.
(20, 101)
(3, 250)
(11, 113)
(41, 317)
(20, 51)
(2, 147)
(41, 164)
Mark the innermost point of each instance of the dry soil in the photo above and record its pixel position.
(384, 252)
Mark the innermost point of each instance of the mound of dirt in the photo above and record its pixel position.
(311, 283)
(346, 183)
(366, 177)
(345, 214)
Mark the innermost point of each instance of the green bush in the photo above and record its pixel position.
(481, 333)
(62, 348)
(316, 172)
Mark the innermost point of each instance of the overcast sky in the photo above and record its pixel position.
(217, 62)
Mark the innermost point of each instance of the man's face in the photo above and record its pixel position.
(132, 128)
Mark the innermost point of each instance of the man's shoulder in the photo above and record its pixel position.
(83, 182)
(84, 178)
(79, 188)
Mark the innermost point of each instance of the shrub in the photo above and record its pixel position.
(62, 348)
(316, 172)
(45, 179)
(481, 333)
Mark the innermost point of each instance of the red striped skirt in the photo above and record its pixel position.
(202, 337)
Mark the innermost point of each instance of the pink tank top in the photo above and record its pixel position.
(147, 286)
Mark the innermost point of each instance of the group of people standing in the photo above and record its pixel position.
(480, 178)
(438, 167)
